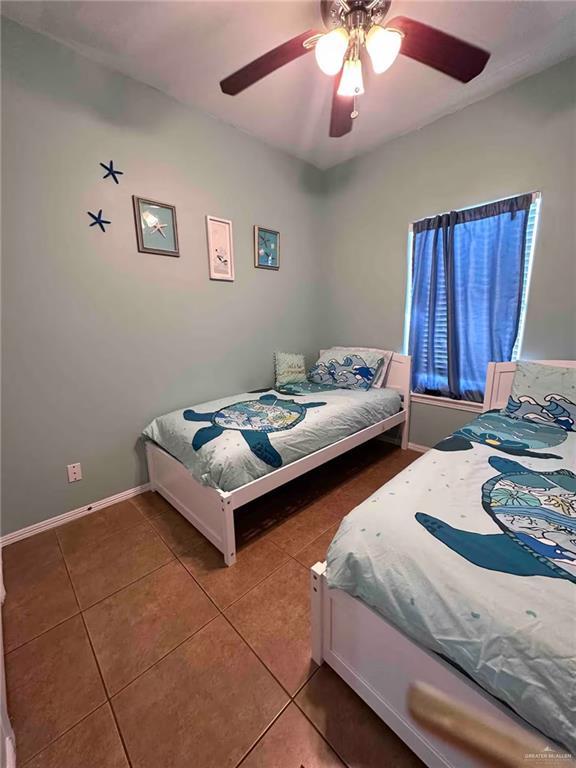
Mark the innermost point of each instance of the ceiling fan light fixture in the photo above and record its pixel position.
(383, 46)
(351, 82)
(331, 49)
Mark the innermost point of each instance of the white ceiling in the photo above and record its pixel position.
(185, 48)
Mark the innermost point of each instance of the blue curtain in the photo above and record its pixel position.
(467, 288)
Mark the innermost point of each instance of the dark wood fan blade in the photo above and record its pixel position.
(340, 117)
(456, 58)
(269, 62)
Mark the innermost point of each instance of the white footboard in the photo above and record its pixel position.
(210, 511)
(380, 663)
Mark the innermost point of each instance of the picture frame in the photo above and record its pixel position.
(266, 248)
(156, 227)
(220, 248)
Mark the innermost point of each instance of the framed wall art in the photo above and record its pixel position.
(266, 248)
(156, 229)
(220, 248)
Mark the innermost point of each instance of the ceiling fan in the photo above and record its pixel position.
(354, 29)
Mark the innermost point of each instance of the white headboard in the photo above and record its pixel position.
(499, 378)
(399, 376)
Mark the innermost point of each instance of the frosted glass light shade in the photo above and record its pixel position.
(383, 45)
(330, 50)
(351, 82)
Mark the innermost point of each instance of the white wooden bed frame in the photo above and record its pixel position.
(380, 663)
(211, 511)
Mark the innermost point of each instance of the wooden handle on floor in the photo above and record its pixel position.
(481, 736)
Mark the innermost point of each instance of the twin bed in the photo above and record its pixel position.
(460, 572)
(212, 459)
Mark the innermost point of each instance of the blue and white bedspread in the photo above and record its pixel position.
(471, 551)
(230, 442)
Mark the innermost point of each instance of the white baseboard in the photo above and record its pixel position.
(67, 517)
(418, 448)
(396, 441)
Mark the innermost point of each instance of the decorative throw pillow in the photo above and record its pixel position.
(385, 354)
(346, 368)
(543, 394)
(305, 388)
(290, 368)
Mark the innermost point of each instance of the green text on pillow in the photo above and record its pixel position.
(290, 368)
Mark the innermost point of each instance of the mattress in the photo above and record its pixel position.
(229, 442)
(471, 551)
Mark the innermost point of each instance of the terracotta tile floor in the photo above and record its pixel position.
(130, 644)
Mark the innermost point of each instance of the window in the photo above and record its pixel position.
(468, 279)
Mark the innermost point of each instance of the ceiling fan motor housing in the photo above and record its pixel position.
(353, 13)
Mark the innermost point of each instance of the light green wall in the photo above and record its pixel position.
(98, 338)
(518, 140)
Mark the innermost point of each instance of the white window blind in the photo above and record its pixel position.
(531, 229)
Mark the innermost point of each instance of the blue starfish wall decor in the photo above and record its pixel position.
(111, 171)
(98, 219)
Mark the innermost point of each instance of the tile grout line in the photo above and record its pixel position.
(174, 559)
(68, 572)
(263, 733)
(263, 579)
(199, 583)
(107, 535)
(106, 701)
(292, 700)
(221, 612)
(61, 735)
(305, 683)
(130, 584)
(30, 639)
(161, 658)
(291, 697)
(178, 560)
(93, 605)
(104, 688)
(44, 631)
(258, 583)
(241, 636)
(120, 734)
(322, 736)
(81, 609)
(85, 627)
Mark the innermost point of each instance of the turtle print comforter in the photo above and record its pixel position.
(230, 442)
(471, 551)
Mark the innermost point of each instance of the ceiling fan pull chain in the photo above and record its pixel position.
(354, 114)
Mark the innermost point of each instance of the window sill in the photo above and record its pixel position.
(446, 402)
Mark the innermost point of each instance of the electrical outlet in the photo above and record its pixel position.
(74, 472)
